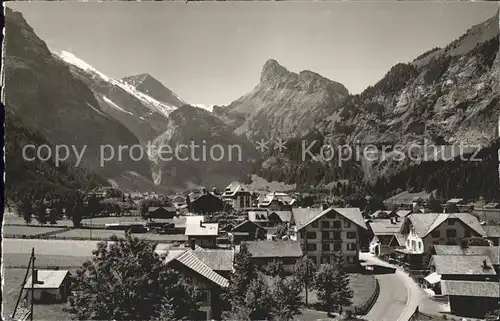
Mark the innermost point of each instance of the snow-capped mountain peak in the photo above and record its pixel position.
(70, 58)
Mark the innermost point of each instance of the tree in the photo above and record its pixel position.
(25, 210)
(53, 216)
(41, 212)
(274, 268)
(304, 271)
(93, 205)
(244, 273)
(77, 213)
(343, 294)
(324, 283)
(286, 298)
(143, 209)
(126, 280)
(434, 204)
(281, 230)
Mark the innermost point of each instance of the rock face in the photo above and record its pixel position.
(218, 155)
(44, 94)
(145, 116)
(445, 96)
(149, 85)
(284, 104)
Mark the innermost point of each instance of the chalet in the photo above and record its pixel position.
(463, 267)
(206, 280)
(492, 206)
(408, 200)
(277, 201)
(452, 205)
(259, 217)
(205, 203)
(471, 298)
(237, 195)
(202, 234)
(493, 252)
(161, 212)
(492, 233)
(386, 235)
(324, 232)
(219, 260)
(263, 252)
(247, 231)
(422, 231)
(50, 286)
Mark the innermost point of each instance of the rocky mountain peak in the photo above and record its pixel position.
(272, 70)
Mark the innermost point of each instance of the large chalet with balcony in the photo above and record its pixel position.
(325, 232)
(237, 195)
(422, 231)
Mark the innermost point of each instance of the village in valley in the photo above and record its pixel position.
(324, 259)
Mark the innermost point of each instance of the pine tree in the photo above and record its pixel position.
(286, 298)
(343, 293)
(324, 282)
(303, 272)
(244, 273)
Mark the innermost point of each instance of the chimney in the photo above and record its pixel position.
(204, 190)
(192, 244)
(34, 277)
(324, 206)
(392, 221)
(201, 223)
(397, 218)
(214, 190)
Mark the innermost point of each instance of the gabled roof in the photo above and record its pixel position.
(454, 200)
(471, 288)
(217, 260)
(234, 188)
(167, 208)
(205, 229)
(52, 279)
(462, 265)
(492, 230)
(285, 216)
(303, 215)
(493, 252)
(385, 227)
(189, 259)
(244, 223)
(425, 223)
(270, 249)
(281, 197)
(351, 213)
(403, 213)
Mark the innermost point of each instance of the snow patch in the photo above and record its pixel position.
(77, 62)
(210, 108)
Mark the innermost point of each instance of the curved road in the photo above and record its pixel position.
(399, 294)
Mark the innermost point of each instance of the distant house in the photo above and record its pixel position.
(492, 233)
(219, 260)
(492, 206)
(50, 286)
(386, 235)
(237, 195)
(263, 252)
(463, 267)
(202, 234)
(324, 232)
(205, 203)
(408, 200)
(277, 201)
(452, 205)
(208, 282)
(259, 217)
(247, 231)
(493, 252)
(422, 231)
(161, 212)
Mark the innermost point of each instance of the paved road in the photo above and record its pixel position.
(399, 295)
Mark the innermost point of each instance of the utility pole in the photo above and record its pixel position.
(32, 282)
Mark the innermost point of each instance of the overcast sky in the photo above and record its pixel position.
(213, 52)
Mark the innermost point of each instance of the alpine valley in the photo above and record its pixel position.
(445, 96)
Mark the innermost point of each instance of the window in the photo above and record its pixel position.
(311, 235)
(351, 235)
(420, 246)
(337, 247)
(314, 259)
(451, 221)
(336, 236)
(315, 224)
(302, 234)
(337, 224)
(451, 233)
(436, 233)
(326, 247)
(311, 247)
(325, 224)
(330, 215)
(468, 233)
(325, 235)
(325, 259)
(351, 246)
(347, 224)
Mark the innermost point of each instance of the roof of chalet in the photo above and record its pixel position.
(285, 216)
(462, 265)
(471, 288)
(385, 226)
(307, 216)
(52, 279)
(270, 249)
(425, 223)
(205, 229)
(167, 208)
(217, 260)
(282, 197)
(493, 252)
(454, 200)
(492, 230)
(245, 222)
(235, 187)
(190, 260)
(407, 197)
